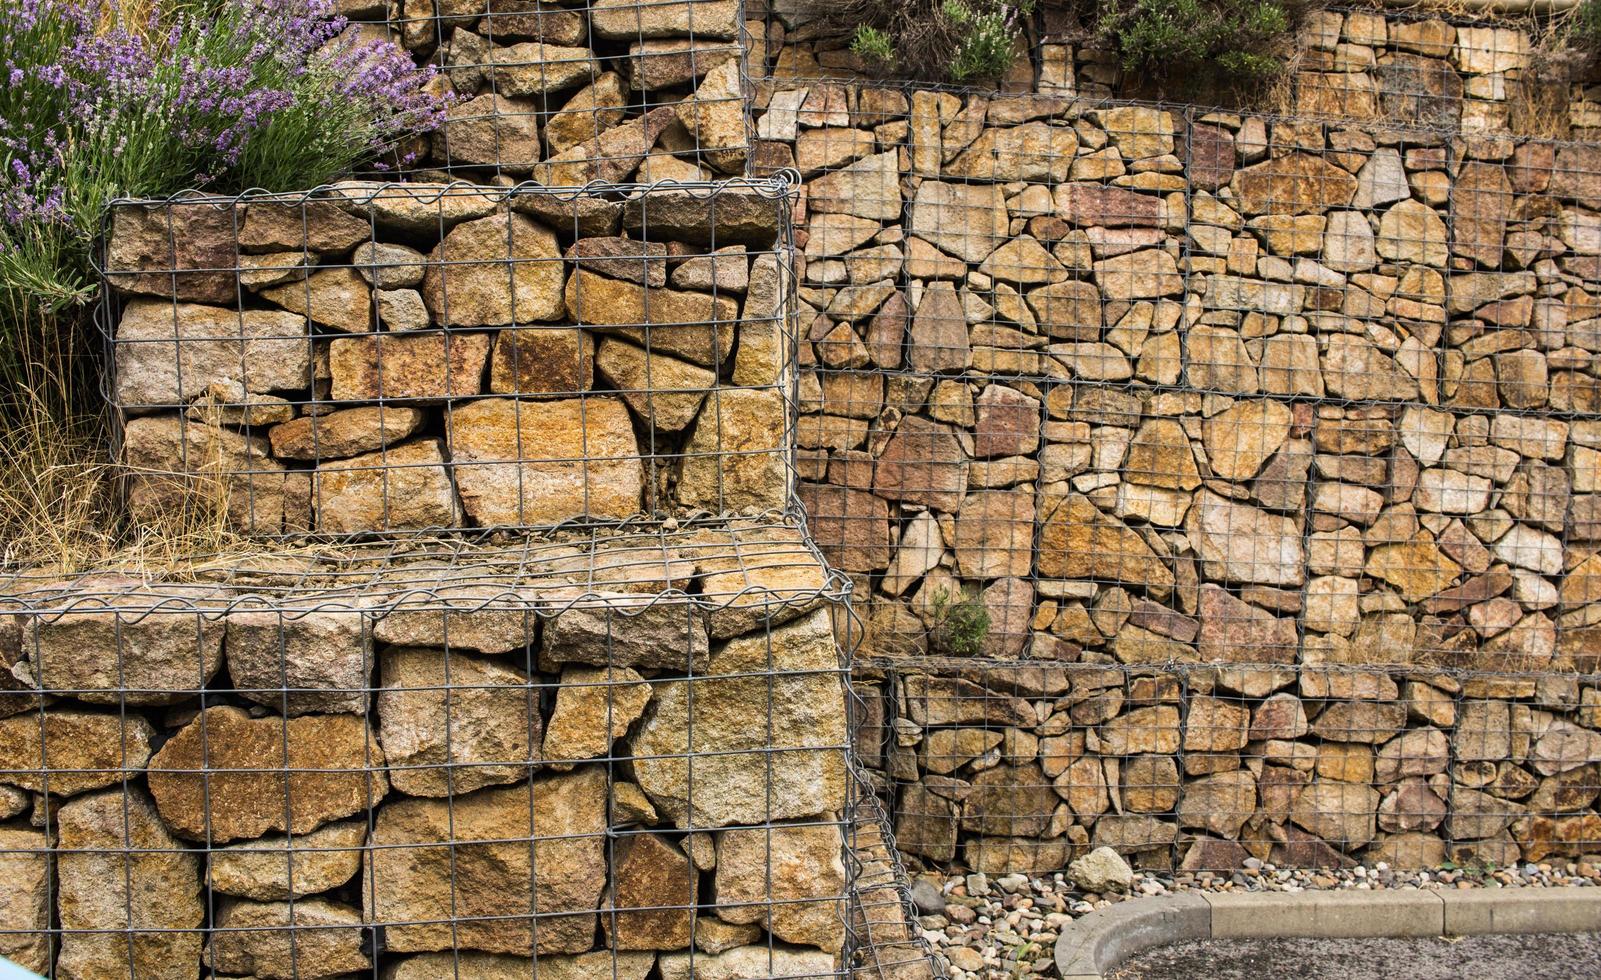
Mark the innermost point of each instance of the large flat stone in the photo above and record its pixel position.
(274, 868)
(65, 752)
(698, 327)
(735, 458)
(493, 271)
(450, 724)
(967, 220)
(462, 873)
(120, 868)
(1079, 541)
(790, 879)
(344, 433)
(700, 759)
(421, 368)
(223, 776)
(300, 663)
(1241, 543)
(544, 462)
(185, 251)
(168, 354)
(287, 941)
(152, 651)
(620, 630)
(401, 488)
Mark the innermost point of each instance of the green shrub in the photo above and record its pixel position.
(874, 45)
(1238, 39)
(142, 98)
(960, 627)
(933, 40)
(987, 36)
(1584, 28)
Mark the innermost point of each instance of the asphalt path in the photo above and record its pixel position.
(1548, 957)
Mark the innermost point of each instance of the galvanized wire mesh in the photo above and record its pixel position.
(1523, 74)
(411, 357)
(1024, 766)
(604, 753)
(1218, 484)
(1126, 389)
(571, 93)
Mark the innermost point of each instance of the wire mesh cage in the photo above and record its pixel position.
(1515, 73)
(565, 94)
(1008, 766)
(1152, 391)
(408, 357)
(1207, 379)
(606, 753)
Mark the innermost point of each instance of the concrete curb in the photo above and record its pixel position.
(1100, 941)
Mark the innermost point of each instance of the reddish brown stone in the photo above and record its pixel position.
(1107, 207)
(338, 763)
(186, 251)
(653, 894)
(1008, 422)
(922, 463)
(1211, 156)
(850, 526)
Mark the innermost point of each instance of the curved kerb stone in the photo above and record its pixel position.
(1099, 942)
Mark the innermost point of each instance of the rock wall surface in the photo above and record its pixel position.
(400, 357)
(568, 94)
(412, 764)
(1215, 483)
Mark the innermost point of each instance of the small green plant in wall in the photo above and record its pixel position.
(987, 35)
(874, 46)
(960, 624)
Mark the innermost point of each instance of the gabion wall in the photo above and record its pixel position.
(610, 738)
(1133, 422)
(600, 754)
(572, 93)
(401, 357)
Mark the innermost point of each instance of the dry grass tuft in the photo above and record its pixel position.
(60, 505)
(61, 511)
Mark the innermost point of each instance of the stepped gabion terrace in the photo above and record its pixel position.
(706, 481)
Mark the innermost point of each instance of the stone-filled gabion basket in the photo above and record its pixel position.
(573, 93)
(598, 753)
(1025, 766)
(1130, 423)
(383, 358)
(611, 738)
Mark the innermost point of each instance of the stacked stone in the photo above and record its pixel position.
(412, 356)
(611, 754)
(1236, 389)
(1198, 767)
(1370, 66)
(1276, 306)
(566, 95)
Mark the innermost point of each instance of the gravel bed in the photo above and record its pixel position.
(1007, 925)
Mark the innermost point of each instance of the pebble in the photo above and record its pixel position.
(1007, 926)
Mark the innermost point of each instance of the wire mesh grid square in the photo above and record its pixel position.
(611, 752)
(390, 358)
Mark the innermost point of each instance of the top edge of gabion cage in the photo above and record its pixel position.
(752, 567)
(1076, 103)
(777, 186)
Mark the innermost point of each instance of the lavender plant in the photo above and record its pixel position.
(111, 98)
